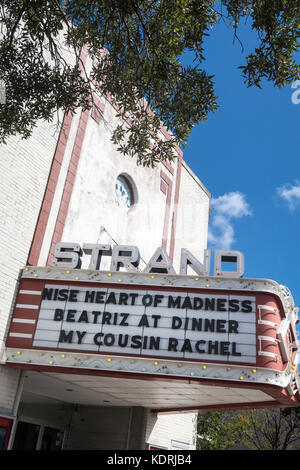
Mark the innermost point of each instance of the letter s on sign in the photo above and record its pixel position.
(295, 96)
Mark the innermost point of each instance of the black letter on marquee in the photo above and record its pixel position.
(47, 294)
(173, 342)
(147, 300)
(58, 314)
(209, 304)
(123, 322)
(123, 298)
(233, 305)
(186, 346)
(224, 347)
(73, 295)
(80, 335)
(62, 294)
(221, 326)
(187, 303)
(109, 339)
(111, 299)
(197, 303)
(70, 315)
(234, 351)
(174, 303)
(176, 323)
(123, 342)
(246, 306)
(155, 318)
(157, 299)
(83, 317)
(65, 337)
(233, 326)
(197, 346)
(89, 296)
(213, 347)
(221, 305)
(136, 341)
(97, 338)
(143, 321)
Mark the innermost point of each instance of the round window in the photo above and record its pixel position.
(125, 194)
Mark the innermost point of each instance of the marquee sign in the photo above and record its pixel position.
(207, 328)
(147, 322)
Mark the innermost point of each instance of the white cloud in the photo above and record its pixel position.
(225, 208)
(291, 194)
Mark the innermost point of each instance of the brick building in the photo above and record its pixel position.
(65, 384)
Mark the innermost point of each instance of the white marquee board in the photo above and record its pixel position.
(148, 322)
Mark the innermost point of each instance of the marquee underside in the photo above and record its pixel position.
(88, 390)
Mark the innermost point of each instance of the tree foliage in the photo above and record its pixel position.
(219, 430)
(264, 429)
(139, 49)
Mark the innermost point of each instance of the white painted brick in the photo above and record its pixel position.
(24, 170)
(162, 429)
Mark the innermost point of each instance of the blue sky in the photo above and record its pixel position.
(247, 155)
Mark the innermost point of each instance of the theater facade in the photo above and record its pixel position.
(117, 325)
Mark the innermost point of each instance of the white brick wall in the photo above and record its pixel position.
(24, 170)
(162, 429)
(192, 217)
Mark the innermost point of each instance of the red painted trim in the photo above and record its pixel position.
(7, 424)
(219, 407)
(176, 200)
(96, 114)
(69, 183)
(163, 187)
(169, 184)
(42, 221)
(43, 217)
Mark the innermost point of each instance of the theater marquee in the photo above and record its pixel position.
(220, 331)
(147, 322)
